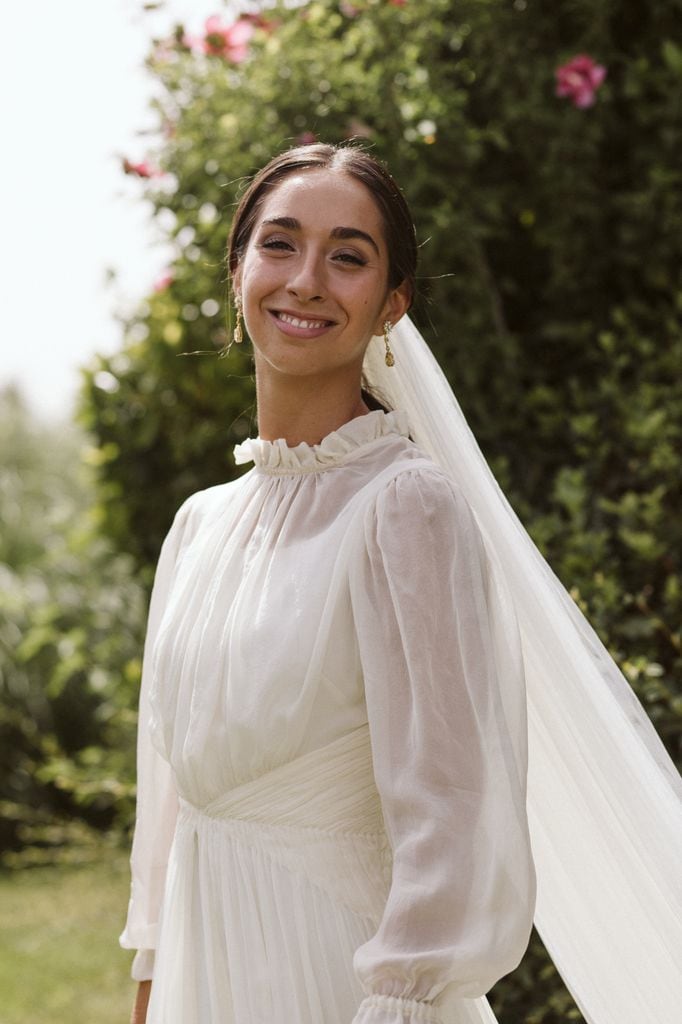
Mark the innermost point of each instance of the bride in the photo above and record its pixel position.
(333, 763)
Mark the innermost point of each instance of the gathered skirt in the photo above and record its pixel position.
(270, 890)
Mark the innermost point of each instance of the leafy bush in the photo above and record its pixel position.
(71, 629)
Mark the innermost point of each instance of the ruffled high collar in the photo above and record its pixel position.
(337, 447)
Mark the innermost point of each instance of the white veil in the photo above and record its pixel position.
(603, 796)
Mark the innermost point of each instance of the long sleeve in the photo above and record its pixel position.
(157, 802)
(446, 707)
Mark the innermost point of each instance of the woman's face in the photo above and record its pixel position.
(314, 277)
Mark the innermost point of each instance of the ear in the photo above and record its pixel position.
(396, 305)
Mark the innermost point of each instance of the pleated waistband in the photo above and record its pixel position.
(331, 788)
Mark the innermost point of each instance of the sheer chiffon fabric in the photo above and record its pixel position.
(331, 820)
(604, 797)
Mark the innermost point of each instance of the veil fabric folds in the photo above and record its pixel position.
(604, 798)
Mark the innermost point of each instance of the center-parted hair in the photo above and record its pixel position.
(399, 232)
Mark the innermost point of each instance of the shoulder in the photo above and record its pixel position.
(420, 490)
(420, 505)
(203, 506)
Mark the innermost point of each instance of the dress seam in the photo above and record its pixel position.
(264, 823)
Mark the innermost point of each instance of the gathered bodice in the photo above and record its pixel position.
(256, 659)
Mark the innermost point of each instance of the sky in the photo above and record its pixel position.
(75, 98)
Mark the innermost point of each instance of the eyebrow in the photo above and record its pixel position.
(291, 224)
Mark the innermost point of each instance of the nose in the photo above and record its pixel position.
(306, 281)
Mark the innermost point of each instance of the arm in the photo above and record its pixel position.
(139, 1014)
(446, 708)
(156, 808)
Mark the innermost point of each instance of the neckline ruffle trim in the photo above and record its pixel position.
(337, 447)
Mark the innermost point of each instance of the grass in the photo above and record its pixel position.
(59, 955)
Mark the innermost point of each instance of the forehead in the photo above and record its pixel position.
(325, 199)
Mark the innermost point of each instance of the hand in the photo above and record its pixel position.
(139, 1014)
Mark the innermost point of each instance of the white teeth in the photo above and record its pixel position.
(305, 324)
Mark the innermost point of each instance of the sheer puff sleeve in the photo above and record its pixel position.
(445, 696)
(157, 802)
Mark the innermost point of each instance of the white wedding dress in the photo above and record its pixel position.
(331, 818)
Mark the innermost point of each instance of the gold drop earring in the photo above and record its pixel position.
(238, 336)
(390, 358)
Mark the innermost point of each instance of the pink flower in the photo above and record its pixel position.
(163, 281)
(230, 41)
(306, 139)
(579, 79)
(143, 169)
(397, 3)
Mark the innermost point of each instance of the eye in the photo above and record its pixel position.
(277, 245)
(351, 258)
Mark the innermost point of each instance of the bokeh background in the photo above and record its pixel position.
(538, 145)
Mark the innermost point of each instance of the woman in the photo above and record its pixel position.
(331, 821)
(339, 583)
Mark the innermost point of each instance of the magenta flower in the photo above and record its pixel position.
(579, 79)
(143, 169)
(229, 41)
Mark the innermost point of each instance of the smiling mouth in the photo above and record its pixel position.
(296, 321)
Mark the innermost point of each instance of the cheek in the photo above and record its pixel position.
(251, 266)
(257, 276)
(373, 303)
(365, 296)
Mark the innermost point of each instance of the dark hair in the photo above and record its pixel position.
(399, 233)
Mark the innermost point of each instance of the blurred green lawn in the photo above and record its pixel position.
(59, 955)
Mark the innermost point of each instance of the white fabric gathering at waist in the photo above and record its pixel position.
(330, 789)
(318, 817)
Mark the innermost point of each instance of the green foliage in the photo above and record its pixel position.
(611, 526)
(71, 630)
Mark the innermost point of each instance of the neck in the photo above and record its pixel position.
(305, 408)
